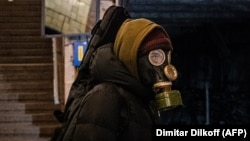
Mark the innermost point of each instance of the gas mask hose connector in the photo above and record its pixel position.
(166, 98)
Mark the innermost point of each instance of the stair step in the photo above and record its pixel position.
(21, 90)
(26, 76)
(34, 84)
(27, 67)
(23, 138)
(29, 112)
(26, 129)
(31, 118)
(26, 59)
(20, 39)
(28, 45)
(27, 106)
(22, 97)
(25, 52)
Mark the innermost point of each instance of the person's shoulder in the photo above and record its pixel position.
(105, 86)
(106, 89)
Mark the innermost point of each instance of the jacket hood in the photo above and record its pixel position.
(129, 38)
(105, 67)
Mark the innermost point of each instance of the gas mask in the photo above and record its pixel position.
(158, 72)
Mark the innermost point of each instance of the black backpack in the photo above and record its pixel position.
(104, 32)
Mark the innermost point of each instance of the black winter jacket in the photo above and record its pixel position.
(115, 107)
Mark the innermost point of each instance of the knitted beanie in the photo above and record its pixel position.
(156, 39)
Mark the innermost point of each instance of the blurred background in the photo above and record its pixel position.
(210, 40)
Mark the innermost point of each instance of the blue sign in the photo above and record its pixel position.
(78, 52)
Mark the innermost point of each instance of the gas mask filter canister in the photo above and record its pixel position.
(165, 97)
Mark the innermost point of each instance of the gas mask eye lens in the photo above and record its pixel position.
(156, 57)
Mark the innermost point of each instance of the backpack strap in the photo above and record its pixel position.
(105, 30)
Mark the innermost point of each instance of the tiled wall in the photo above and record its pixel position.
(67, 16)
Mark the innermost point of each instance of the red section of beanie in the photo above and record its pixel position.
(156, 39)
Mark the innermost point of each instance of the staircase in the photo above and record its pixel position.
(26, 74)
(26, 99)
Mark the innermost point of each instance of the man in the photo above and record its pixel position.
(124, 80)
